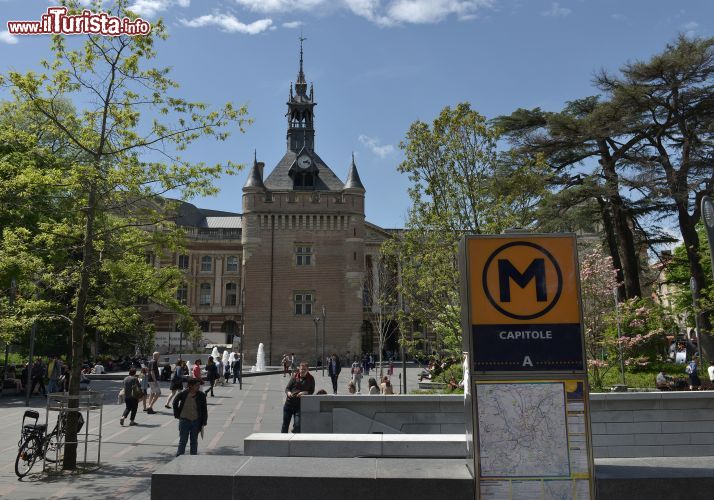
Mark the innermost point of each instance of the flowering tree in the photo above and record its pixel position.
(598, 279)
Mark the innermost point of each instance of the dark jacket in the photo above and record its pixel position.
(334, 367)
(299, 384)
(211, 371)
(200, 405)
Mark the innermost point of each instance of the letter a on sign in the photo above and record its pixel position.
(527, 361)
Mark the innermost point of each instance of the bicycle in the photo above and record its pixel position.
(34, 443)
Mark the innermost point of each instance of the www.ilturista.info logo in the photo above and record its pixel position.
(87, 23)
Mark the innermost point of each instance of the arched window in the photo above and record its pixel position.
(204, 297)
(206, 263)
(232, 264)
(231, 294)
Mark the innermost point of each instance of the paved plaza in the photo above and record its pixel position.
(129, 455)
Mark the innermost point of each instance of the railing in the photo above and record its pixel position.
(213, 233)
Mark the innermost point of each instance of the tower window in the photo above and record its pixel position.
(303, 256)
(304, 180)
(303, 303)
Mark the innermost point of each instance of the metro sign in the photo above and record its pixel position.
(523, 294)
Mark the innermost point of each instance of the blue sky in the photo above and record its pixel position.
(379, 65)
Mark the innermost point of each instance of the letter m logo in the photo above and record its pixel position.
(506, 273)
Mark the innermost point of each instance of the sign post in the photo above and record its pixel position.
(522, 326)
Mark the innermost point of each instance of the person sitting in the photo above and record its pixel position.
(452, 385)
(386, 386)
(98, 368)
(373, 387)
(351, 388)
(83, 382)
(11, 377)
(664, 382)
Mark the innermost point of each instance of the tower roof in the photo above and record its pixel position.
(255, 178)
(353, 180)
(280, 180)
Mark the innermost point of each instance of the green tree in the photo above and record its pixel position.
(126, 146)
(670, 98)
(586, 132)
(461, 183)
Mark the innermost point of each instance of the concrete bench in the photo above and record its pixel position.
(356, 445)
(308, 478)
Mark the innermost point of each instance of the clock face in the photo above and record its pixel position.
(304, 162)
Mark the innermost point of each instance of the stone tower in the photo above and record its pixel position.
(303, 247)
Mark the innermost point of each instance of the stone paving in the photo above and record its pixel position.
(130, 454)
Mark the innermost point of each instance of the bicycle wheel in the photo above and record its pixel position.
(54, 449)
(26, 457)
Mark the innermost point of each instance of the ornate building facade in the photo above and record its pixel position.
(290, 267)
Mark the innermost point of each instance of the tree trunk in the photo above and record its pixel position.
(611, 240)
(620, 220)
(70, 448)
(691, 244)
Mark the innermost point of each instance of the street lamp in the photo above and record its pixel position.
(316, 319)
(708, 216)
(324, 321)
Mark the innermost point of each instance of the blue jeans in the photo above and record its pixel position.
(289, 412)
(188, 428)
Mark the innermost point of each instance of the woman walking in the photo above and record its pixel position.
(386, 386)
(211, 375)
(197, 372)
(176, 381)
(357, 375)
(132, 390)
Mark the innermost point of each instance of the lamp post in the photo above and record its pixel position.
(708, 217)
(11, 303)
(324, 321)
(178, 327)
(316, 319)
(697, 324)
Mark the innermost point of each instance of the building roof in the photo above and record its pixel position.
(234, 222)
(353, 180)
(279, 180)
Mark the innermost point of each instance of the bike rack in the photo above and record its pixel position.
(88, 403)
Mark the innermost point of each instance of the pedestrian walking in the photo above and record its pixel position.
(211, 375)
(132, 393)
(196, 373)
(54, 371)
(300, 384)
(219, 368)
(191, 410)
(144, 387)
(176, 381)
(691, 370)
(38, 376)
(333, 369)
(286, 365)
(237, 368)
(293, 362)
(357, 375)
(154, 375)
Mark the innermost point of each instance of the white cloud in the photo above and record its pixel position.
(380, 12)
(292, 24)
(618, 17)
(690, 28)
(150, 8)
(372, 143)
(229, 23)
(556, 11)
(6, 37)
(275, 6)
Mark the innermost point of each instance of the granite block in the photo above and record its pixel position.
(613, 416)
(663, 439)
(267, 444)
(632, 428)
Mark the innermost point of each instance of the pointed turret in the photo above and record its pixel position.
(353, 180)
(255, 178)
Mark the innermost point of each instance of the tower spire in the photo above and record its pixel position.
(301, 73)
